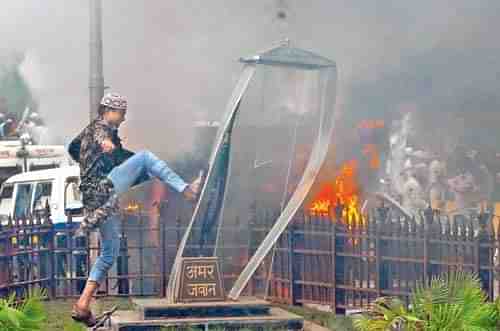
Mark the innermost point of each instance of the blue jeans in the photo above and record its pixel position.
(110, 248)
(123, 177)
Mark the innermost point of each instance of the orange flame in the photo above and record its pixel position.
(371, 151)
(342, 190)
(371, 124)
(132, 207)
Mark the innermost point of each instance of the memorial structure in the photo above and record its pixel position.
(283, 101)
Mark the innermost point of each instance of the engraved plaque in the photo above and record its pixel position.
(200, 280)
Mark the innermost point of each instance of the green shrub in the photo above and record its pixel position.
(453, 302)
(26, 315)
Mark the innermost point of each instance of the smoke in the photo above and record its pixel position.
(176, 60)
(30, 71)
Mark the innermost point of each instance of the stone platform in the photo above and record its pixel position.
(247, 313)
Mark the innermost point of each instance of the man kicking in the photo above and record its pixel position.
(108, 170)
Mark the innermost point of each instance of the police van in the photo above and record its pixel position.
(33, 192)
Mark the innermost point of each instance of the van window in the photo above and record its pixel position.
(43, 191)
(23, 200)
(72, 194)
(6, 199)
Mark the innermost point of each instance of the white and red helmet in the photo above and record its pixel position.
(114, 101)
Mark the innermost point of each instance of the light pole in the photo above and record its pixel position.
(96, 78)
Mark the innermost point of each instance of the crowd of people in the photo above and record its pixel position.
(454, 182)
(11, 127)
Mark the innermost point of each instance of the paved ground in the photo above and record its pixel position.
(60, 320)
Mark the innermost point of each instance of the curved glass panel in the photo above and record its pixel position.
(271, 149)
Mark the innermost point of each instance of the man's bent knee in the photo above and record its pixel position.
(145, 154)
(109, 260)
(109, 257)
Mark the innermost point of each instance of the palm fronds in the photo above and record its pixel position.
(387, 313)
(24, 316)
(452, 302)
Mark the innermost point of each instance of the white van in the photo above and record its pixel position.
(30, 192)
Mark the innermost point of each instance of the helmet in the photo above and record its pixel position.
(115, 101)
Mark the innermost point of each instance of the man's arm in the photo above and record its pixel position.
(74, 148)
(104, 138)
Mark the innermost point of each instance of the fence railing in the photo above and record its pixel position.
(36, 252)
(347, 265)
(321, 260)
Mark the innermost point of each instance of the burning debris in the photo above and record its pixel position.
(132, 207)
(342, 193)
(421, 161)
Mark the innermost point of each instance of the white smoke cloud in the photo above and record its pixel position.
(176, 60)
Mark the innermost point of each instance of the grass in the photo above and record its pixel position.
(326, 319)
(59, 313)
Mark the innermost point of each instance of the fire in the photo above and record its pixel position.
(320, 207)
(352, 212)
(371, 151)
(132, 207)
(343, 191)
(371, 124)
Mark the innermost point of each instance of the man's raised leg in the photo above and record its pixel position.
(121, 178)
(126, 174)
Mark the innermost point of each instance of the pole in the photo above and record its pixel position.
(96, 78)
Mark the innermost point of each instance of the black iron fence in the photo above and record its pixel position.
(346, 265)
(36, 252)
(321, 260)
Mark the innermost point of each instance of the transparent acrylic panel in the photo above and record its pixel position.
(271, 144)
(272, 139)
